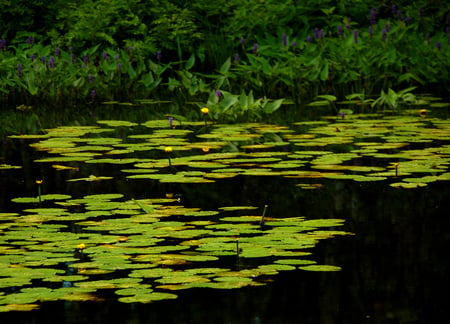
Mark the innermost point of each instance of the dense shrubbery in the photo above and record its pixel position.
(67, 52)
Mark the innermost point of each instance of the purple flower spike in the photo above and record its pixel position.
(242, 41)
(394, 9)
(105, 55)
(373, 16)
(284, 39)
(438, 45)
(93, 94)
(384, 35)
(340, 30)
(158, 55)
(30, 40)
(57, 51)
(309, 39)
(355, 36)
(2, 44)
(421, 12)
(294, 43)
(43, 59)
(19, 70)
(32, 58)
(119, 66)
(218, 93)
(237, 57)
(85, 59)
(51, 62)
(255, 48)
(91, 78)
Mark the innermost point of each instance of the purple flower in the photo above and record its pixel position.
(284, 39)
(19, 70)
(318, 33)
(421, 12)
(30, 40)
(91, 78)
(130, 48)
(43, 59)
(218, 93)
(237, 57)
(340, 30)
(355, 36)
(407, 19)
(57, 51)
(93, 94)
(308, 39)
(399, 15)
(394, 9)
(294, 43)
(242, 41)
(105, 55)
(384, 35)
(2, 44)
(438, 45)
(119, 66)
(370, 31)
(158, 55)
(349, 20)
(85, 59)
(373, 16)
(116, 57)
(255, 48)
(32, 58)
(51, 62)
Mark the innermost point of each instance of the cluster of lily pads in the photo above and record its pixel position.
(61, 247)
(144, 250)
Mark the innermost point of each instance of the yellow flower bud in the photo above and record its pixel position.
(168, 149)
(81, 246)
(205, 110)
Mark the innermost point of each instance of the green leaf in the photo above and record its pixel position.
(273, 106)
(190, 62)
(225, 66)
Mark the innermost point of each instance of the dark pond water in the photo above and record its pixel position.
(394, 268)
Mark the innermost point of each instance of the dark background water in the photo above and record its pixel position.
(394, 269)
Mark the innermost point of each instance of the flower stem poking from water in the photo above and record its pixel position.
(396, 169)
(205, 112)
(39, 183)
(261, 223)
(168, 150)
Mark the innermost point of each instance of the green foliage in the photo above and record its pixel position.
(188, 50)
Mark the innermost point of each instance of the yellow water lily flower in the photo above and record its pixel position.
(81, 246)
(168, 149)
(205, 110)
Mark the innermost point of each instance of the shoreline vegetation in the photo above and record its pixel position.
(242, 60)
